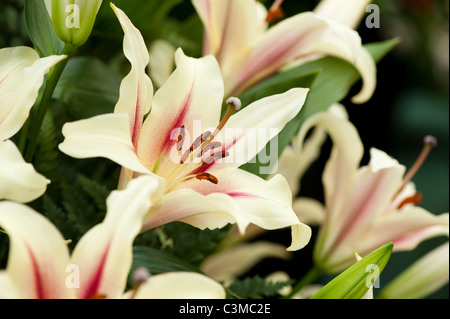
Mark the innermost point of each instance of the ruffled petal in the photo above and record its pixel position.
(251, 199)
(136, 89)
(38, 254)
(19, 181)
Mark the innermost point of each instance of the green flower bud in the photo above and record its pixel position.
(73, 20)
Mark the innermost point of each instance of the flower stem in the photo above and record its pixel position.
(32, 129)
(312, 275)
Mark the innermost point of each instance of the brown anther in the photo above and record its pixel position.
(275, 14)
(180, 138)
(206, 176)
(98, 296)
(208, 147)
(414, 199)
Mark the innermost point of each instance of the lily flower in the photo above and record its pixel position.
(185, 145)
(21, 75)
(40, 266)
(237, 33)
(366, 206)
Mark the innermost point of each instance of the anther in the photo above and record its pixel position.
(414, 199)
(275, 12)
(206, 176)
(430, 142)
(180, 138)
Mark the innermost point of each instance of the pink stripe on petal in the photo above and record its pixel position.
(38, 282)
(168, 143)
(94, 283)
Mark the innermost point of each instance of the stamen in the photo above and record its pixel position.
(430, 142)
(197, 142)
(275, 12)
(206, 176)
(216, 156)
(415, 199)
(139, 277)
(180, 138)
(210, 146)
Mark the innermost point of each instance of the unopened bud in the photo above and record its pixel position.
(73, 20)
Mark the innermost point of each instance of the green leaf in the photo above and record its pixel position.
(355, 281)
(331, 85)
(280, 83)
(40, 29)
(88, 88)
(157, 261)
(46, 158)
(255, 288)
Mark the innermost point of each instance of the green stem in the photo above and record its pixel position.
(312, 275)
(41, 109)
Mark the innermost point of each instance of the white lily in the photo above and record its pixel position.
(207, 191)
(248, 51)
(366, 206)
(40, 266)
(21, 75)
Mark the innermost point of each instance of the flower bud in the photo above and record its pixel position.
(73, 19)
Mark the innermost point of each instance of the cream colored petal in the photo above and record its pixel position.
(348, 12)
(248, 131)
(343, 164)
(406, 229)
(19, 181)
(161, 61)
(106, 135)
(191, 97)
(136, 89)
(179, 285)
(267, 204)
(298, 157)
(422, 278)
(372, 191)
(235, 261)
(21, 75)
(7, 288)
(38, 254)
(344, 43)
(229, 25)
(104, 253)
(281, 44)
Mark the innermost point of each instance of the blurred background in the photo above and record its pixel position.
(411, 99)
